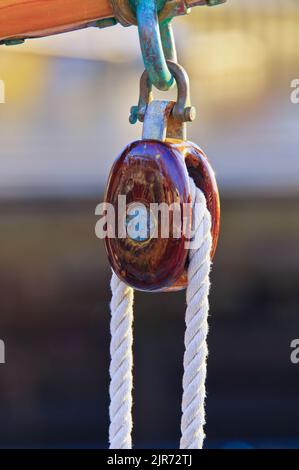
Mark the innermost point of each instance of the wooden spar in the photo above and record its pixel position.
(21, 19)
(35, 18)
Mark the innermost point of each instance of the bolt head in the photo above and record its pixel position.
(190, 114)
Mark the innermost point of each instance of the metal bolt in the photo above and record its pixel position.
(189, 114)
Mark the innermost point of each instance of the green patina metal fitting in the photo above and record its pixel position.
(157, 43)
(106, 22)
(12, 42)
(212, 3)
(160, 4)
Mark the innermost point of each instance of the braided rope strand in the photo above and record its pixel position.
(196, 351)
(121, 365)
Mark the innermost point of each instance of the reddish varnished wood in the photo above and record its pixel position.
(32, 18)
(148, 172)
(158, 264)
(201, 171)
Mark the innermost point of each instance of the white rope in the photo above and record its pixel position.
(121, 365)
(193, 418)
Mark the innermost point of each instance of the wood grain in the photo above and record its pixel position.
(153, 172)
(149, 172)
(35, 18)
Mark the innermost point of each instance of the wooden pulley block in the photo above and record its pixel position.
(149, 173)
(149, 189)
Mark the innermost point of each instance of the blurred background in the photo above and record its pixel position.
(64, 122)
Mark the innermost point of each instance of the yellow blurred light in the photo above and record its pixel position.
(232, 65)
(23, 75)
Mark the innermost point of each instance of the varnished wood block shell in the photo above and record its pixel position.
(148, 172)
(155, 172)
(200, 170)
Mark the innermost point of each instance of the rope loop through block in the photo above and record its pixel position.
(196, 350)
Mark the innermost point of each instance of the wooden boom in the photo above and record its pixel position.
(35, 18)
(21, 19)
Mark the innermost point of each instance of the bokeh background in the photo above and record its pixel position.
(64, 122)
